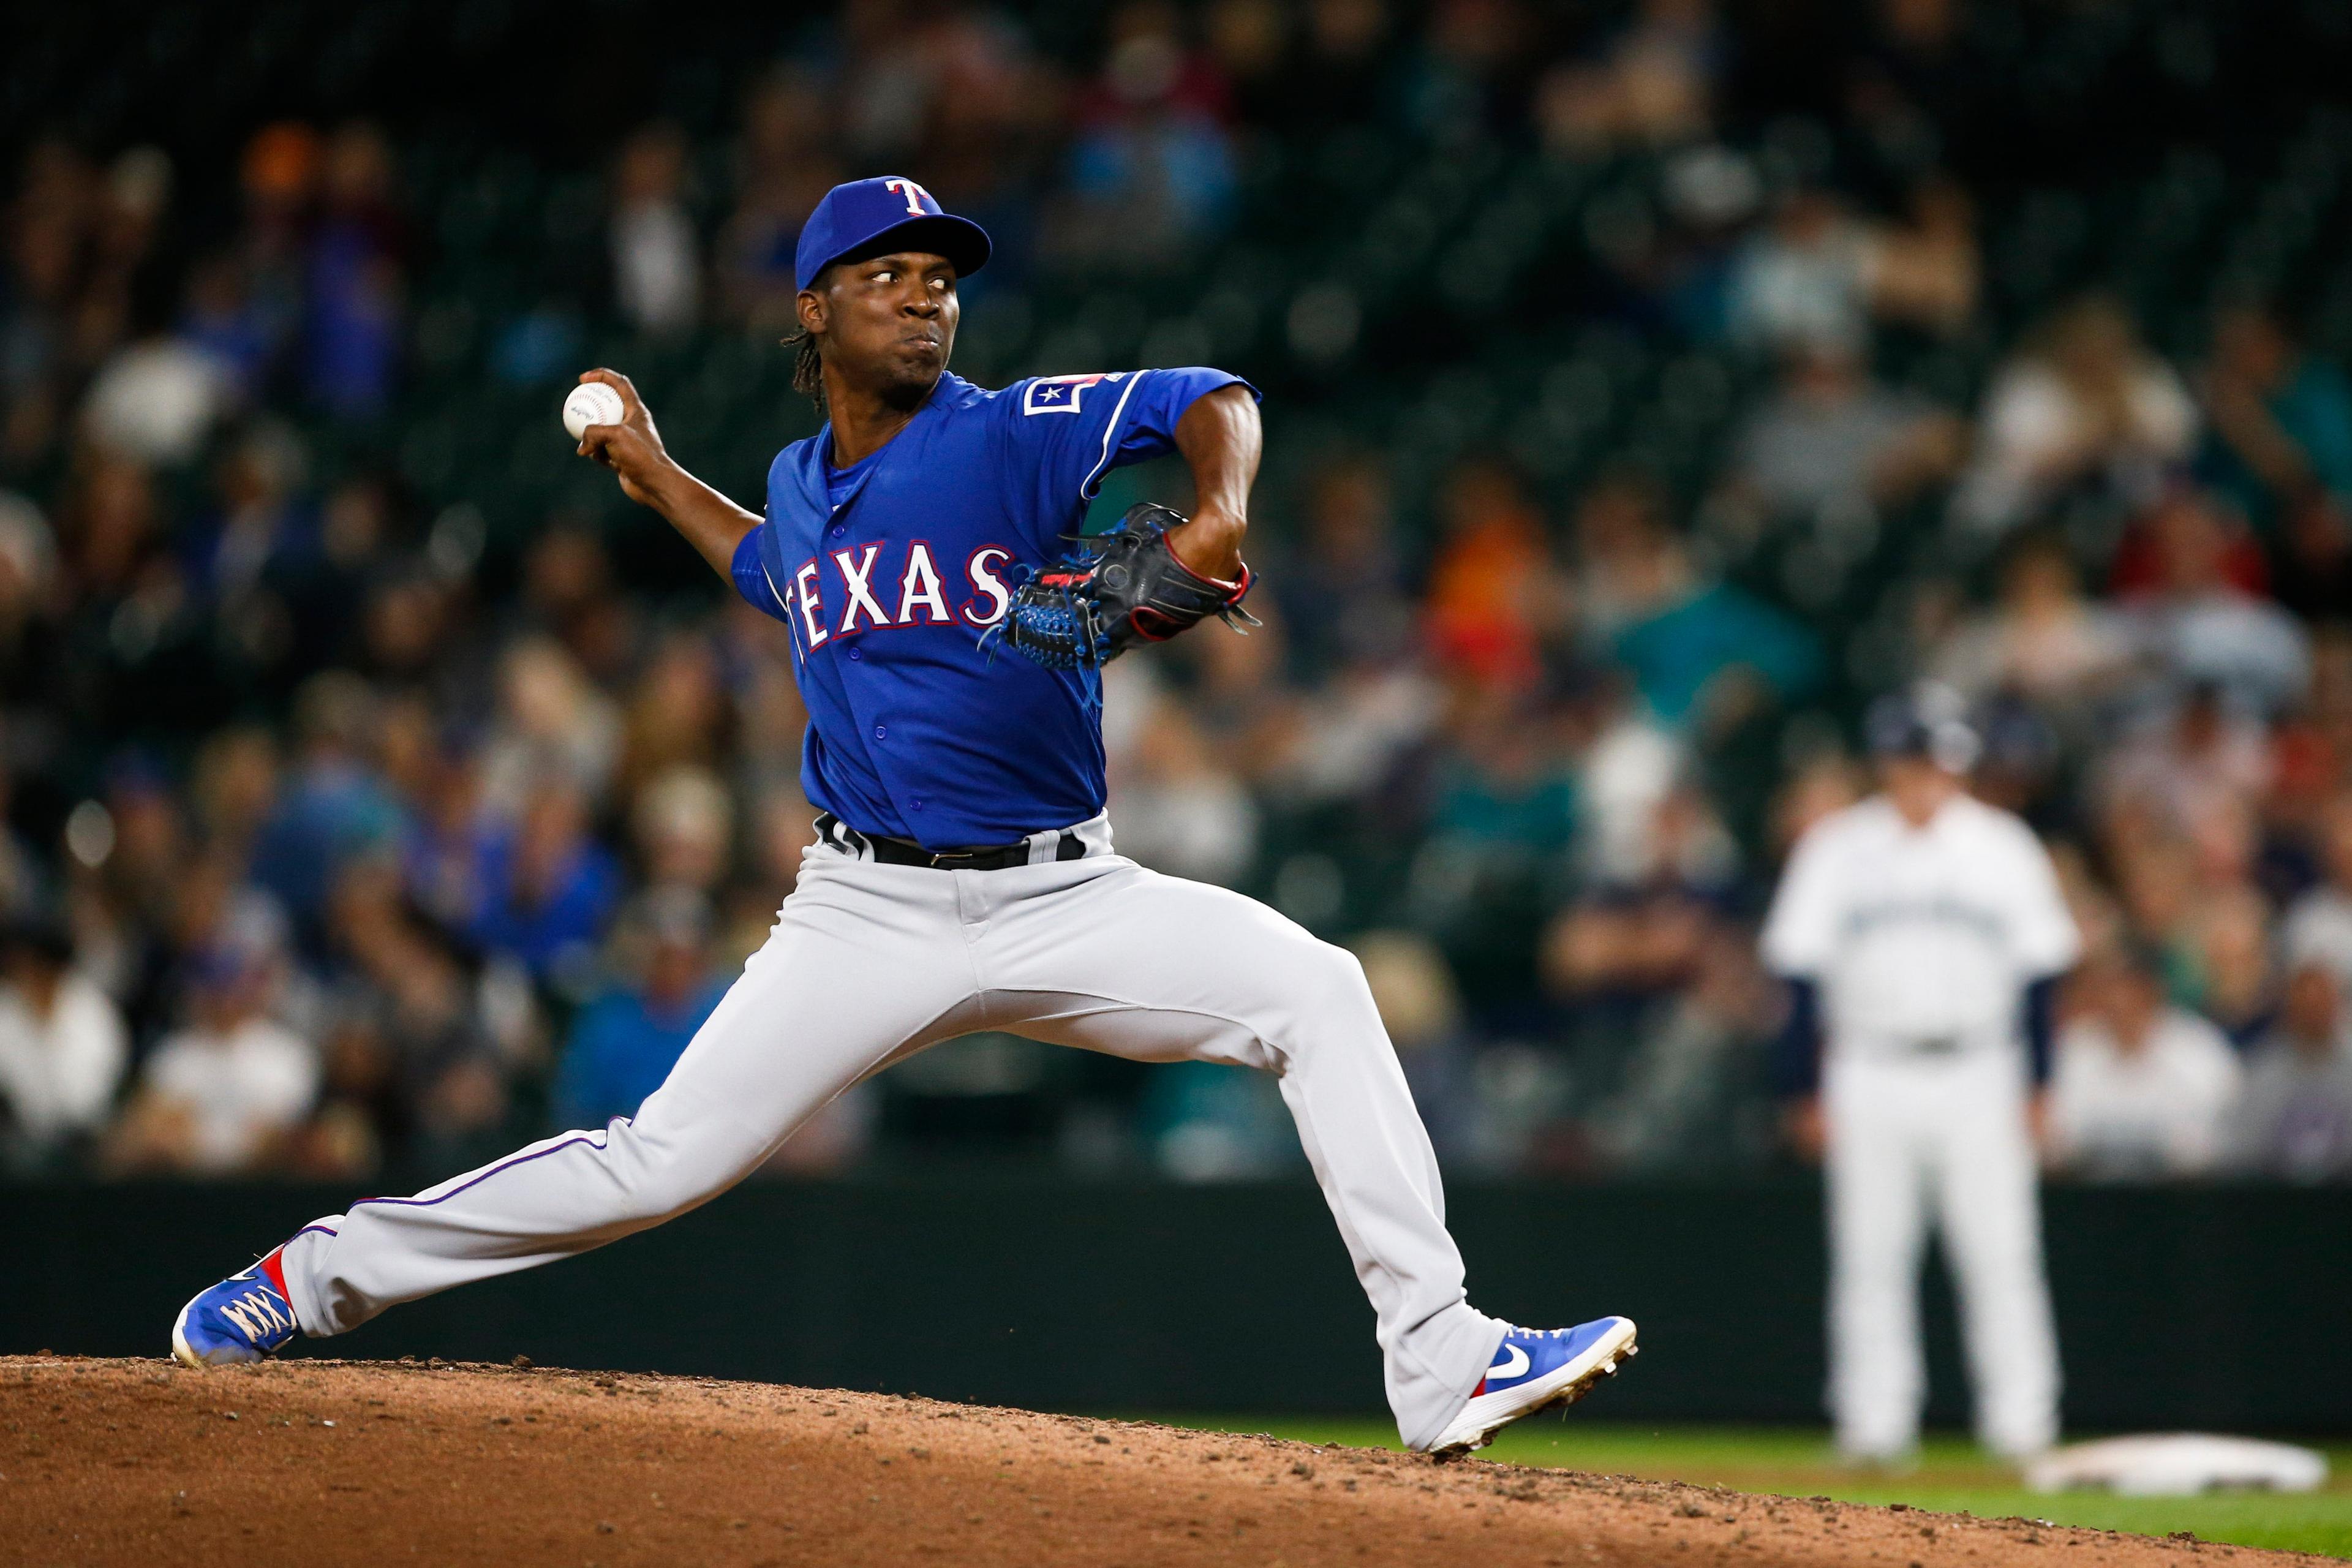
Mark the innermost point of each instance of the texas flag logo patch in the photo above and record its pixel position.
(1061, 394)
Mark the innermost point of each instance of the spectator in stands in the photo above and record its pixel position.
(224, 1094)
(29, 587)
(1647, 934)
(2083, 407)
(568, 593)
(546, 885)
(261, 522)
(1927, 272)
(333, 806)
(2201, 623)
(1694, 1097)
(2142, 1091)
(1504, 785)
(1462, 78)
(2318, 928)
(2197, 761)
(625, 1043)
(221, 322)
(2281, 450)
(1705, 655)
(1191, 815)
(1629, 766)
(2295, 1122)
(2042, 640)
(1495, 597)
(1830, 439)
(1343, 595)
(36, 305)
(1151, 171)
(355, 283)
(116, 301)
(278, 174)
(1651, 86)
(677, 717)
(655, 255)
(783, 164)
(157, 400)
(63, 1046)
(1804, 279)
(408, 1040)
(2280, 439)
(551, 721)
(2234, 985)
(685, 828)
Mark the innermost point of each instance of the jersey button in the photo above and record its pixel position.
(881, 732)
(857, 653)
(838, 531)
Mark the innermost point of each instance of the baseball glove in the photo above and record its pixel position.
(1114, 590)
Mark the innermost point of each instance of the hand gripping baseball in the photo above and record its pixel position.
(1114, 590)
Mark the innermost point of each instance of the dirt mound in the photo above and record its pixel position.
(327, 1463)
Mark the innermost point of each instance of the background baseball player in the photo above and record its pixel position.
(964, 877)
(1921, 931)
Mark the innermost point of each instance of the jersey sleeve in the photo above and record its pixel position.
(1074, 429)
(2043, 927)
(1800, 938)
(750, 576)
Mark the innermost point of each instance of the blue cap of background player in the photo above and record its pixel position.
(877, 217)
(1930, 722)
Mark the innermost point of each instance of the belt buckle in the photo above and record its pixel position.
(940, 859)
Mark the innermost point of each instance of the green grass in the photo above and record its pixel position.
(1952, 1477)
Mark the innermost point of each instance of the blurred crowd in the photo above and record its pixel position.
(341, 840)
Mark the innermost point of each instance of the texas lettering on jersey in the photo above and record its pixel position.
(920, 593)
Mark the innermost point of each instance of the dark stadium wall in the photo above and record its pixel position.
(2217, 1307)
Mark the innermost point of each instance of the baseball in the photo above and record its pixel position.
(591, 403)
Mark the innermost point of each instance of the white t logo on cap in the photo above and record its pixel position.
(916, 196)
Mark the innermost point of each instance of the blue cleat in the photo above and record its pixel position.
(1534, 1368)
(244, 1318)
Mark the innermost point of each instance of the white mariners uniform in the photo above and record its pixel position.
(1922, 942)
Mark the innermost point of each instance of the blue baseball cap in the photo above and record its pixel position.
(877, 217)
(1930, 722)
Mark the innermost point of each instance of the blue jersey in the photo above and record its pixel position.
(889, 573)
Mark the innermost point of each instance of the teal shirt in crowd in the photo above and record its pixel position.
(2315, 409)
(1674, 654)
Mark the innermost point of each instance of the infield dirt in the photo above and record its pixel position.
(328, 1464)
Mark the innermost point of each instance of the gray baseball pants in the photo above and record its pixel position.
(868, 963)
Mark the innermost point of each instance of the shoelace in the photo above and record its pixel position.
(256, 1315)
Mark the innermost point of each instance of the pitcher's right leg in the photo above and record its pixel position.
(866, 964)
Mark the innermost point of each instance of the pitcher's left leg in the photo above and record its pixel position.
(1113, 958)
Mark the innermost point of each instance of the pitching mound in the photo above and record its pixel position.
(327, 1463)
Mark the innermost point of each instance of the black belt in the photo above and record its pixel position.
(901, 852)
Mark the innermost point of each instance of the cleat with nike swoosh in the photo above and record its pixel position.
(1533, 1370)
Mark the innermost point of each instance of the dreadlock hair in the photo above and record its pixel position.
(808, 365)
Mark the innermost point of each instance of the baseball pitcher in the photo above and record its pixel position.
(948, 639)
(1921, 932)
